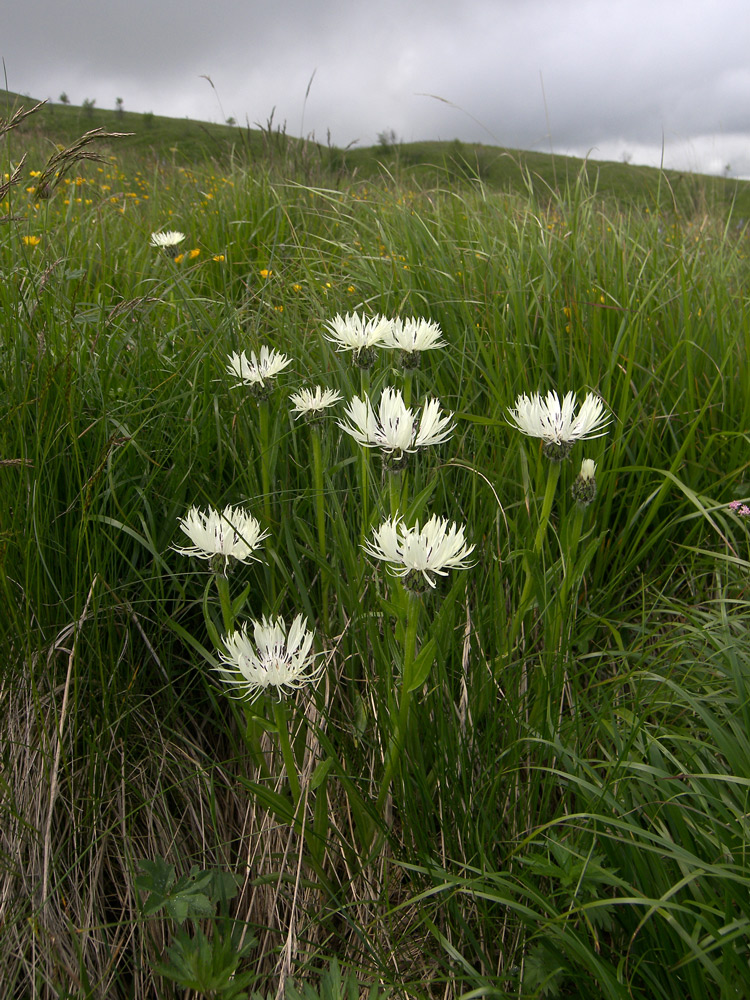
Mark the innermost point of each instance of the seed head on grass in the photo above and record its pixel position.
(221, 536)
(419, 554)
(257, 373)
(274, 660)
(396, 429)
(557, 425)
(358, 334)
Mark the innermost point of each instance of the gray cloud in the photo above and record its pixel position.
(606, 76)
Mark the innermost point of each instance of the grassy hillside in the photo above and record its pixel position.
(511, 759)
(186, 141)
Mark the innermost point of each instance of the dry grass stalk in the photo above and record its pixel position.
(66, 157)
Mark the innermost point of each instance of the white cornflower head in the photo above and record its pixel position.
(257, 372)
(558, 426)
(221, 536)
(411, 337)
(416, 554)
(275, 660)
(168, 241)
(310, 405)
(395, 429)
(358, 334)
(584, 486)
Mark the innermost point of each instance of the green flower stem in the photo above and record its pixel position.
(394, 490)
(225, 601)
(320, 518)
(568, 576)
(265, 472)
(364, 458)
(265, 460)
(553, 475)
(408, 378)
(290, 765)
(253, 733)
(398, 734)
(549, 495)
(364, 481)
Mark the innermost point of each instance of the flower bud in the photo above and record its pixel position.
(584, 487)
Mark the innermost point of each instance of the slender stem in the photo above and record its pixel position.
(290, 765)
(253, 733)
(265, 460)
(568, 576)
(549, 495)
(320, 517)
(225, 600)
(398, 735)
(408, 377)
(553, 474)
(394, 489)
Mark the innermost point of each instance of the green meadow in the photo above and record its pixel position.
(525, 774)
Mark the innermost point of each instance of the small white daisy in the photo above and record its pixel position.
(257, 372)
(558, 426)
(358, 334)
(411, 337)
(274, 660)
(221, 535)
(432, 550)
(311, 404)
(395, 429)
(167, 241)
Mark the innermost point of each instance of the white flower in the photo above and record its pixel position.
(311, 404)
(277, 661)
(435, 549)
(167, 241)
(257, 372)
(558, 426)
(395, 428)
(412, 336)
(221, 535)
(356, 333)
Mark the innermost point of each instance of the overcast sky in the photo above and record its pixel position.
(613, 79)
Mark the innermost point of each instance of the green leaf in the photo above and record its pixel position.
(320, 773)
(421, 667)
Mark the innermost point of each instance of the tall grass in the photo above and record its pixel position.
(567, 811)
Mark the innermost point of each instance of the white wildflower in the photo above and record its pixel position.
(557, 425)
(274, 660)
(432, 550)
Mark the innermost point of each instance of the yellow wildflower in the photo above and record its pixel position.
(32, 241)
(265, 273)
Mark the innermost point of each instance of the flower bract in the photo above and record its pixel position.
(558, 425)
(429, 551)
(274, 660)
(221, 535)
